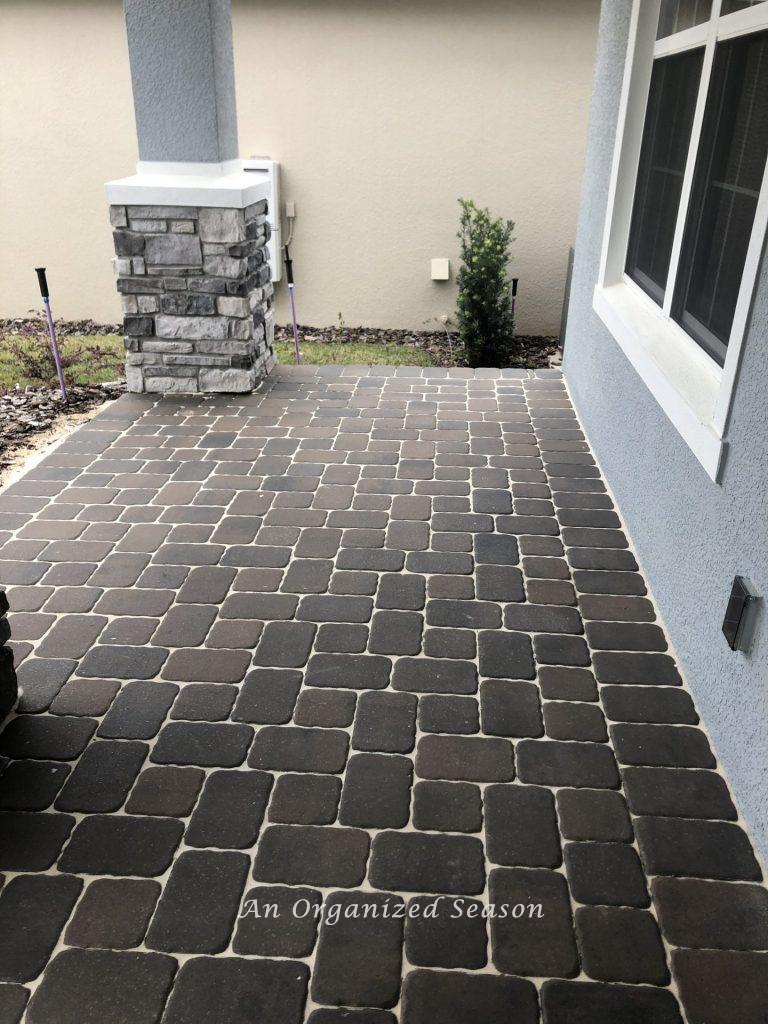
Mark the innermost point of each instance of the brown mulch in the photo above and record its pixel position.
(531, 352)
(27, 412)
(35, 321)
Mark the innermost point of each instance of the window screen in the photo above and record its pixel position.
(727, 180)
(666, 137)
(729, 6)
(676, 15)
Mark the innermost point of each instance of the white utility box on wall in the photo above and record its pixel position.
(268, 171)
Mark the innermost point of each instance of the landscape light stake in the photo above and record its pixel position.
(40, 271)
(289, 278)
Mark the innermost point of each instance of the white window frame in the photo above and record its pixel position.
(692, 389)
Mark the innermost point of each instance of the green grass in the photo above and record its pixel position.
(316, 353)
(88, 359)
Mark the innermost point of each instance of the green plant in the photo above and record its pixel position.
(484, 306)
(33, 359)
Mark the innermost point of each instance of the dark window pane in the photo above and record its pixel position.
(676, 15)
(729, 173)
(729, 6)
(666, 136)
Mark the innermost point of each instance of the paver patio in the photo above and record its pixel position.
(365, 637)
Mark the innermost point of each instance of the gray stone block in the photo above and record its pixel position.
(162, 212)
(223, 266)
(143, 224)
(127, 243)
(173, 250)
(217, 225)
(184, 227)
(118, 217)
(179, 385)
(165, 347)
(192, 327)
(184, 304)
(134, 379)
(227, 380)
(229, 305)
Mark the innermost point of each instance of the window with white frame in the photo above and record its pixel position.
(689, 205)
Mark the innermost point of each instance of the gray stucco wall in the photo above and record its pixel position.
(692, 535)
(182, 69)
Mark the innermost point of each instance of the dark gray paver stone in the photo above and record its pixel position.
(467, 999)
(185, 625)
(560, 682)
(325, 708)
(308, 855)
(121, 845)
(568, 720)
(662, 745)
(61, 738)
(648, 704)
(190, 664)
(33, 911)
(268, 695)
(598, 815)
(204, 702)
(510, 708)
(103, 776)
(415, 862)
(341, 638)
(385, 722)
(13, 999)
(396, 632)
(621, 944)
(168, 792)
(677, 793)
(505, 655)
(699, 849)
(470, 758)
(536, 935)
(31, 785)
(138, 711)
(209, 990)
(464, 614)
(404, 592)
(496, 549)
(446, 932)
(113, 913)
(40, 680)
(447, 807)
(353, 671)
(113, 662)
(347, 1016)
(434, 675)
(32, 842)
(377, 791)
(304, 799)
(577, 1002)
(712, 915)
(606, 873)
(85, 697)
(276, 920)
(439, 713)
(207, 744)
(292, 749)
(359, 958)
(230, 810)
(630, 667)
(199, 904)
(521, 826)
(450, 643)
(721, 987)
(552, 763)
(92, 986)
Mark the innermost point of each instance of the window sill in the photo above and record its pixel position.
(680, 376)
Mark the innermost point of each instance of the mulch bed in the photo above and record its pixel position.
(28, 412)
(530, 352)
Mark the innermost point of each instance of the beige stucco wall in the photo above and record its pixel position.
(381, 114)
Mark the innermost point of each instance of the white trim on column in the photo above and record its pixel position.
(171, 184)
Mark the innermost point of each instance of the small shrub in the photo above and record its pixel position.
(34, 361)
(484, 305)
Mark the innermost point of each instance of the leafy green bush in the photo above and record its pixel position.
(484, 305)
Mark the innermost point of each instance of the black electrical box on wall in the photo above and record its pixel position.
(739, 615)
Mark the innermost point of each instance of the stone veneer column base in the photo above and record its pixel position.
(197, 296)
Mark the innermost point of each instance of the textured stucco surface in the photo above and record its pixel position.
(183, 79)
(692, 535)
(381, 115)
